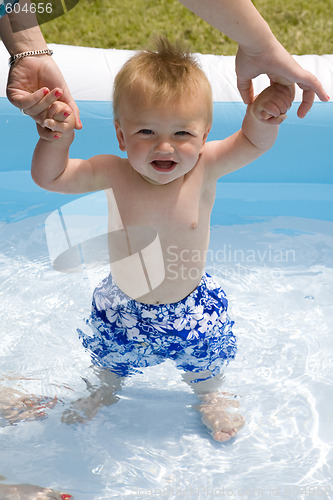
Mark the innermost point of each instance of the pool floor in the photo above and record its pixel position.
(278, 273)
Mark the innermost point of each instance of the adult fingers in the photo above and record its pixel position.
(62, 113)
(245, 71)
(48, 134)
(245, 88)
(72, 104)
(23, 99)
(47, 494)
(58, 111)
(306, 104)
(312, 84)
(37, 106)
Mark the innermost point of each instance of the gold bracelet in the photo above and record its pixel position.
(30, 53)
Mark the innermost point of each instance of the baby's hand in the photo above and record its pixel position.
(272, 104)
(56, 123)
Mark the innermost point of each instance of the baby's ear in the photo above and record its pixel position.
(120, 136)
(204, 138)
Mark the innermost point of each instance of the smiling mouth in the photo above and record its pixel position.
(163, 165)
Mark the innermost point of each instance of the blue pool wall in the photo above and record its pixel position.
(303, 151)
(302, 154)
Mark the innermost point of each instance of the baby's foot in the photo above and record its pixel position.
(81, 411)
(216, 415)
(85, 409)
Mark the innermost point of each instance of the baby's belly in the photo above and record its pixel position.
(178, 283)
(150, 271)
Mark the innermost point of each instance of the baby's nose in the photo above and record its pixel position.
(164, 146)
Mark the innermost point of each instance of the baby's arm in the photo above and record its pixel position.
(51, 154)
(257, 135)
(51, 167)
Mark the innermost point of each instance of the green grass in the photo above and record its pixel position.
(302, 26)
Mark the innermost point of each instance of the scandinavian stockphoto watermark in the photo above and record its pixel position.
(225, 260)
(33, 13)
(81, 236)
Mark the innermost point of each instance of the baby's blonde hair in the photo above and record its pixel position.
(167, 72)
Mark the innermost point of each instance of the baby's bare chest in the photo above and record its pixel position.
(175, 214)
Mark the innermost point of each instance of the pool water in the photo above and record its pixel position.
(278, 274)
(271, 249)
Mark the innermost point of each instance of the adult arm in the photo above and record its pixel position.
(259, 51)
(20, 33)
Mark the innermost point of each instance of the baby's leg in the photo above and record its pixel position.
(216, 407)
(104, 394)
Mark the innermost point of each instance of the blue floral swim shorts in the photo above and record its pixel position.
(196, 333)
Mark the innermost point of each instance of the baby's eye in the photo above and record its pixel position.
(182, 132)
(145, 131)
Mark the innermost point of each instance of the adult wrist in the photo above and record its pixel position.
(25, 40)
(21, 41)
(30, 53)
(263, 43)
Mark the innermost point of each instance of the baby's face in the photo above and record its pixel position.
(163, 141)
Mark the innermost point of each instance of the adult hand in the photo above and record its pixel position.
(280, 67)
(30, 492)
(28, 75)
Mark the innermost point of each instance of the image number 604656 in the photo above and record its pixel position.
(38, 12)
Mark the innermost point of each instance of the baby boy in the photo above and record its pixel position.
(162, 106)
